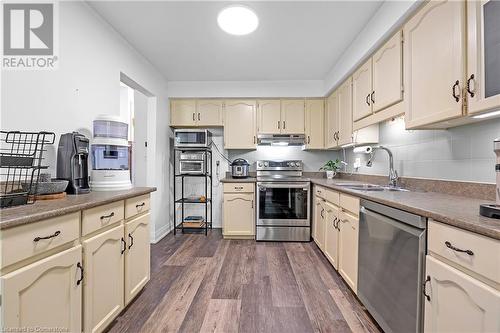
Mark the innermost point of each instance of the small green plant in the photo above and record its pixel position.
(331, 165)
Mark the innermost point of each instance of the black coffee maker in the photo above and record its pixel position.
(72, 162)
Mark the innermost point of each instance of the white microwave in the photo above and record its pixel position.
(199, 138)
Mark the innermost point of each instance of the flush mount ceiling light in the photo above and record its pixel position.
(238, 20)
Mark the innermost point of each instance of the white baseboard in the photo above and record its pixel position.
(161, 233)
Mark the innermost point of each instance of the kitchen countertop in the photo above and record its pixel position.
(238, 180)
(458, 211)
(44, 209)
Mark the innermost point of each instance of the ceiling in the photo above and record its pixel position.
(294, 41)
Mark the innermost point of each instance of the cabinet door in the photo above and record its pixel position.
(269, 116)
(183, 112)
(348, 249)
(388, 74)
(458, 302)
(209, 112)
(319, 219)
(292, 116)
(239, 214)
(345, 113)
(104, 278)
(483, 60)
(434, 63)
(240, 124)
(45, 294)
(315, 123)
(332, 234)
(137, 258)
(332, 120)
(362, 91)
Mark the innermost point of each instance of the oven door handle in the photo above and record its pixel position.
(264, 186)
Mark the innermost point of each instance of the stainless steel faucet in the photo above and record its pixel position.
(393, 174)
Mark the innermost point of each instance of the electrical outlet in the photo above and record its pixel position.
(357, 163)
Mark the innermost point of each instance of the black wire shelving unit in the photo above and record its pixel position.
(184, 201)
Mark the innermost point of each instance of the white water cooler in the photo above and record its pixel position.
(110, 155)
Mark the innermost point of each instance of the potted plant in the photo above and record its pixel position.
(331, 168)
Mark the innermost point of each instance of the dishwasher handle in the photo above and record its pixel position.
(367, 213)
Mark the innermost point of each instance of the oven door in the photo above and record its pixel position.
(283, 204)
(191, 167)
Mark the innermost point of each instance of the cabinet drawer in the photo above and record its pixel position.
(239, 187)
(349, 203)
(484, 258)
(136, 205)
(320, 192)
(25, 241)
(333, 197)
(98, 217)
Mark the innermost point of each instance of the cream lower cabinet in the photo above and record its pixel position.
(239, 211)
(319, 222)
(332, 234)
(47, 293)
(456, 302)
(348, 249)
(137, 256)
(240, 124)
(315, 124)
(103, 285)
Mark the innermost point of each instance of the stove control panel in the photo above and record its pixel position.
(280, 165)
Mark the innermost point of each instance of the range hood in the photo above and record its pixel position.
(281, 139)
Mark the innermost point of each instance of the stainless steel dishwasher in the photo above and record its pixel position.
(391, 266)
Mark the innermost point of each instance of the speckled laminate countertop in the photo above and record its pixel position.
(458, 211)
(44, 209)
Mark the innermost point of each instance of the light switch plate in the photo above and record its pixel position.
(357, 163)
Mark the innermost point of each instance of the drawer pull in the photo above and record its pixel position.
(448, 245)
(124, 245)
(140, 205)
(428, 279)
(81, 274)
(131, 241)
(55, 234)
(108, 216)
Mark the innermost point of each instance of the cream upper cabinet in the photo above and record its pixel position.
(319, 221)
(292, 116)
(483, 62)
(209, 112)
(136, 256)
(183, 112)
(315, 124)
(103, 290)
(387, 73)
(457, 302)
(332, 120)
(239, 215)
(269, 116)
(240, 124)
(345, 113)
(362, 93)
(434, 66)
(332, 234)
(348, 249)
(47, 293)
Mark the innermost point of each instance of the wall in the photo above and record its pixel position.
(312, 159)
(313, 88)
(87, 83)
(462, 153)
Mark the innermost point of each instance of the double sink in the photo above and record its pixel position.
(371, 187)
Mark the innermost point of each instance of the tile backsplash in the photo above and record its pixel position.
(462, 153)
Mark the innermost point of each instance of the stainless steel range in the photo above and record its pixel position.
(283, 195)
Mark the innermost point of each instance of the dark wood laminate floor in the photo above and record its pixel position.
(208, 284)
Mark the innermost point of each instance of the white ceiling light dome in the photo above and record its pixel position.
(238, 20)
